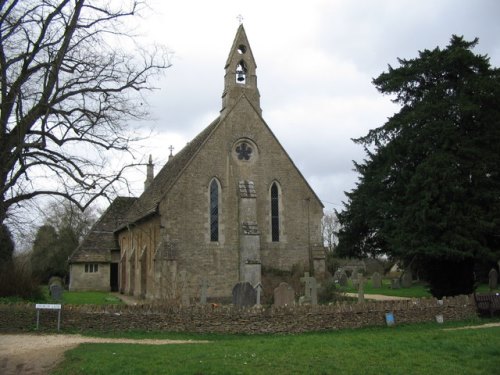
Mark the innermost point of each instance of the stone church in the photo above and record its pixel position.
(229, 204)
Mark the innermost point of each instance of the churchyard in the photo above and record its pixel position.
(296, 334)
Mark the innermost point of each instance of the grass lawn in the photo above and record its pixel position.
(416, 291)
(413, 349)
(85, 298)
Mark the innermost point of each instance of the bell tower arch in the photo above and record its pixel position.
(240, 77)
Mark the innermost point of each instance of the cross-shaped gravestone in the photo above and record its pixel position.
(311, 289)
(203, 291)
(307, 289)
(258, 288)
(244, 151)
(361, 291)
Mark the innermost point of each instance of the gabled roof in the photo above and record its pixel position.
(98, 243)
(147, 204)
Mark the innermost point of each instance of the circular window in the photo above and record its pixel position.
(245, 150)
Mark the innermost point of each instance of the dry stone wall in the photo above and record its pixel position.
(228, 319)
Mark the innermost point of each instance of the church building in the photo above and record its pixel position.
(228, 205)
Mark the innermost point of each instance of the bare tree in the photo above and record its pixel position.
(329, 228)
(71, 77)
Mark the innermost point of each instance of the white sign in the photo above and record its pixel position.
(48, 306)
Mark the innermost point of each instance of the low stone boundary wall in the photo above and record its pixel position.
(229, 319)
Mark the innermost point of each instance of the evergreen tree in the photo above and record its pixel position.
(45, 247)
(429, 189)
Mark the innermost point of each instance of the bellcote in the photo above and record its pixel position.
(240, 78)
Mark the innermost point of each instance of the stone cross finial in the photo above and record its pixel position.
(171, 148)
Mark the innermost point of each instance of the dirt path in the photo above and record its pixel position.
(38, 354)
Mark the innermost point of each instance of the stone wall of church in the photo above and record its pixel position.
(185, 210)
(84, 281)
(138, 243)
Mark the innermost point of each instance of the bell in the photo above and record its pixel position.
(240, 76)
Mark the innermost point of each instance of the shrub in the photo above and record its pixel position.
(16, 281)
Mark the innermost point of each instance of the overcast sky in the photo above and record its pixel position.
(315, 63)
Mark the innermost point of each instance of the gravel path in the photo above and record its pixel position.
(378, 297)
(38, 354)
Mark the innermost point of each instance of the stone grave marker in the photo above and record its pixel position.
(395, 284)
(406, 279)
(361, 291)
(244, 295)
(284, 295)
(311, 289)
(376, 281)
(56, 292)
(56, 288)
(343, 279)
(493, 279)
(203, 291)
(258, 289)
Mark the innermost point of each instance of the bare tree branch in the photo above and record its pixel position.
(66, 95)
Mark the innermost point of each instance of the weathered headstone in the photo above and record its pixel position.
(56, 288)
(407, 279)
(354, 283)
(361, 291)
(244, 295)
(395, 284)
(343, 279)
(203, 291)
(376, 281)
(340, 277)
(284, 295)
(56, 292)
(493, 279)
(311, 289)
(258, 289)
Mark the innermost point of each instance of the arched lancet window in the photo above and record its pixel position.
(275, 213)
(214, 211)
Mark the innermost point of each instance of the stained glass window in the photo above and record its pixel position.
(214, 211)
(275, 214)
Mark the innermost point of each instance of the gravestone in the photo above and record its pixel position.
(56, 288)
(311, 289)
(203, 291)
(376, 281)
(407, 279)
(244, 295)
(56, 292)
(343, 279)
(395, 284)
(258, 289)
(493, 279)
(340, 277)
(361, 291)
(284, 295)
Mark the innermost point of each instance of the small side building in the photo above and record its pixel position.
(94, 264)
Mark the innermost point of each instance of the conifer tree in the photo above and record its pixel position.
(429, 189)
